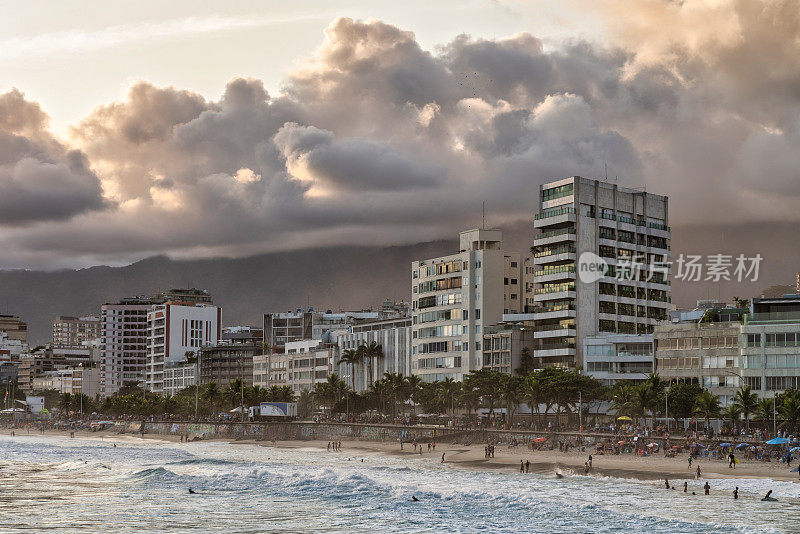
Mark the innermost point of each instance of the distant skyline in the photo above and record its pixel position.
(204, 129)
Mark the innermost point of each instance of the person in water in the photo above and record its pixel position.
(685, 486)
(442, 457)
(191, 491)
(414, 498)
(666, 483)
(521, 466)
(707, 488)
(768, 498)
(736, 493)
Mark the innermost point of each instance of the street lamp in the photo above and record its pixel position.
(666, 407)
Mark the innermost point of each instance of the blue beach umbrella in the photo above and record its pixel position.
(742, 445)
(794, 449)
(724, 444)
(777, 441)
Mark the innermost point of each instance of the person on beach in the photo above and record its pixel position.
(590, 461)
(731, 460)
(736, 493)
(685, 486)
(442, 457)
(707, 488)
(521, 466)
(585, 468)
(527, 466)
(329, 446)
(698, 475)
(690, 462)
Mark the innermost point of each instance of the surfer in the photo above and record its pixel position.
(191, 491)
(768, 498)
(414, 498)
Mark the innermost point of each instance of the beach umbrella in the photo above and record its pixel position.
(742, 445)
(794, 470)
(539, 440)
(794, 449)
(777, 441)
(725, 444)
(624, 418)
(652, 445)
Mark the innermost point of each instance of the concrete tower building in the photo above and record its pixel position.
(454, 296)
(600, 258)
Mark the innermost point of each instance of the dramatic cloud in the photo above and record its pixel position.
(40, 180)
(375, 139)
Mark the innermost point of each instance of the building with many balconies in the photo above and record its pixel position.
(588, 223)
(455, 296)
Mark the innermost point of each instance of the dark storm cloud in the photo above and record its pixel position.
(375, 139)
(40, 180)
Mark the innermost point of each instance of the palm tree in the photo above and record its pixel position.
(511, 391)
(371, 352)
(747, 401)
(765, 410)
(707, 406)
(642, 399)
(533, 393)
(448, 388)
(733, 413)
(790, 409)
(413, 388)
(350, 357)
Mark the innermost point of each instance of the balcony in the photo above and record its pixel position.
(552, 216)
(554, 350)
(545, 332)
(555, 273)
(543, 313)
(554, 236)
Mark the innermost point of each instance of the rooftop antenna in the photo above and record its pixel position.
(605, 164)
(483, 204)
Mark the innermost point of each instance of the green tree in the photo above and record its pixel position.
(732, 413)
(681, 400)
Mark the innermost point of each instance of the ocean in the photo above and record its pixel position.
(82, 485)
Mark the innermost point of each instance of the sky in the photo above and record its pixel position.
(199, 129)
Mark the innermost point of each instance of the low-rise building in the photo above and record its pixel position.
(771, 345)
(505, 345)
(394, 337)
(75, 331)
(225, 362)
(179, 376)
(612, 358)
(707, 354)
(14, 327)
(308, 362)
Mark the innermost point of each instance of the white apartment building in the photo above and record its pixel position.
(454, 296)
(394, 337)
(179, 376)
(175, 329)
(770, 343)
(11, 349)
(309, 361)
(72, 380)
(612, 358)
(72, 331)
(123, 334)
(587, 222)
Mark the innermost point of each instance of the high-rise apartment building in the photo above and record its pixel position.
(74, 331)
(123, 333)
(600, 266)
(174, 330)
(454, 296)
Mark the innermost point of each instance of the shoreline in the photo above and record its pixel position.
(471, 457)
